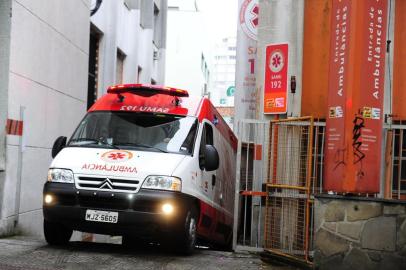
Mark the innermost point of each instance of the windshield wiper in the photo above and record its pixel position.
(143, 145)
(95, 141)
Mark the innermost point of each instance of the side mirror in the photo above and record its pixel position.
(59, 144)
(211, 158)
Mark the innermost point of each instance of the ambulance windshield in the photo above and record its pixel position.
(141, 131)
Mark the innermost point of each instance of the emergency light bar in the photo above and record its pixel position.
(123, 88)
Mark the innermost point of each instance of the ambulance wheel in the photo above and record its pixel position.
(56, 234)
(188, 236)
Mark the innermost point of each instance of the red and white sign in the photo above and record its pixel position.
(355, 101)
(14, 127)
(249, 13)
(245, 81)
(338, 90)
(116, 156)
(276, 79)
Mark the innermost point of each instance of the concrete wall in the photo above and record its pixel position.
(359, 233)
(48, 76)
(281, 21)
(5, 28)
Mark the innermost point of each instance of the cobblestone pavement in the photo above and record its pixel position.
(19, 253)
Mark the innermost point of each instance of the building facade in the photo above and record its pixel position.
(224, 73)
(223, 82)
(127, 44)
(55, 60)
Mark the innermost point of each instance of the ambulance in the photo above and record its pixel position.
(147, 163)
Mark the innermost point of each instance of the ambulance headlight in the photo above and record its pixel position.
(162, 182)
(60, 176)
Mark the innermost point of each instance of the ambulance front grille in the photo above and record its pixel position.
(107, 184)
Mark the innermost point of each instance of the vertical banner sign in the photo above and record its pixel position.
(335, 149)
(276, 79)
(355, 102)
(245, 92)
(368, 120)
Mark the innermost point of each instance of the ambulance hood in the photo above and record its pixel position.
(113, 162)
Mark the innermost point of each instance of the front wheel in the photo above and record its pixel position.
(56, 234)
(188, 236)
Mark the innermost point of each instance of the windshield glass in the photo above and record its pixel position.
(142, 131)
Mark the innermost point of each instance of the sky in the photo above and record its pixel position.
(221, 17)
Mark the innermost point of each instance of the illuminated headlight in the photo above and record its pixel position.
(60, 175)
(162, 182)
(167, 209)
(48, 199)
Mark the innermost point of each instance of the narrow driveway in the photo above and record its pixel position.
(34, 254)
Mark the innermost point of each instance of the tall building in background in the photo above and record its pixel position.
(188, 58)
(53, 65)
(223, 83)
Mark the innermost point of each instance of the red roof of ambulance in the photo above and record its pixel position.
(164, 102)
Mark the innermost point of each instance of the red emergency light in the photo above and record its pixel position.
(123, 88)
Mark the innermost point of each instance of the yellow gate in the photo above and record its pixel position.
(288, 215)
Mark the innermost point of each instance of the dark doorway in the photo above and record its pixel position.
(93, 68)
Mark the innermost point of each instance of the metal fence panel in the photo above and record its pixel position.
(251, 174)
(289, 187)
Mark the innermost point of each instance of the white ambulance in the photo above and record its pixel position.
(148, 163)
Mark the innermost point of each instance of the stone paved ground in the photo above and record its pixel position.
(18, 253)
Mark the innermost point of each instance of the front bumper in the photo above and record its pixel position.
(140, 215)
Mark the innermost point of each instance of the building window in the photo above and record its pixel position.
(120, 67)
(139, 73)
(157, 27)
(202, 63)
(92, 81)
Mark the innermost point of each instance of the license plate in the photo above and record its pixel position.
(101, 216)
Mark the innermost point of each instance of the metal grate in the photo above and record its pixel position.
(251, 176)
(290, 186)
(395, 162)
(107, 184)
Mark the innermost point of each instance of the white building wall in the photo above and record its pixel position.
(281, 21)
(121, 27)
(48, 76)
(5, 28)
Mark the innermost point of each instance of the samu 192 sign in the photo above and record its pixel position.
(276, 79)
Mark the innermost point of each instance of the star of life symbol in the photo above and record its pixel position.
(249, 13)
(276, 61)
(116, 156)
(107, 184)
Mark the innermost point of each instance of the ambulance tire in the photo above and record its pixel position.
(188, 236)
(56, 234)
